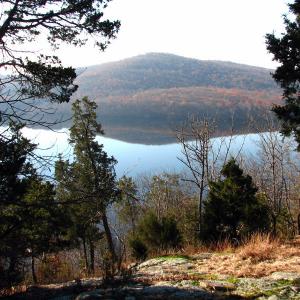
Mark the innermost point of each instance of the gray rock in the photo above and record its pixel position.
(196, 294)
(219, 285)
(159, 290)
(284, 276)
(163, 261)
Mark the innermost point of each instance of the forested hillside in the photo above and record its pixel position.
(164, 71)
(152, 94)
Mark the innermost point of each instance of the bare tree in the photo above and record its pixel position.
(202, 155)
(275, 170)
(196, 155)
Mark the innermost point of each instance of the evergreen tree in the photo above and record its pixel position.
(47, 223)
(84, 229)
(30, 220)
(90, 180)
(158, 233)
(14, 173)
(232, 209)
(286, 51)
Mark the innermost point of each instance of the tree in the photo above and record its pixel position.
(85, 230)
(14, 173)
(31, 77)
(286, 51)
(31, 222)
(275, 172)
(196, 155)
(89, 182)
(201, 156)
(128, 208)
(47, 223)
(232, 209)
(139, 249)
(157, 234)
(163, 194)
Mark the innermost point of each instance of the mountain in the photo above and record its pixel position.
(142, 99)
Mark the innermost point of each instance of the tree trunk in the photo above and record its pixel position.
(12, 265)
(200, 212)
(204, 166)
(92, 257)
(274, 225)
(34, 278)
(201, 192)
(109, 237)
(299, 224)
(85, 256)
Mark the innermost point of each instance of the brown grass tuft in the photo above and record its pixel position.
(259, 247)
(224, 246)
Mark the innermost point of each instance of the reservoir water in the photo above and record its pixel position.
(134, 159)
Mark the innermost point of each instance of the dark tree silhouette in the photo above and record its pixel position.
(29, 77)
(286, 51)
(232, 209)
(90, 180)
(31, 222)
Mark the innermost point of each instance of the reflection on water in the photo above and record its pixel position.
(133, 159)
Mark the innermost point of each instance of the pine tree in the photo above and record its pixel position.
(31, 222)
(286, 51)
(90, 180)
(232, 209)
(47, 223)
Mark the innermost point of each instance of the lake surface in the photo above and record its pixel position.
(133, 159)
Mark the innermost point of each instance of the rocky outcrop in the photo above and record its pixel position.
(185, 277)
(180, 277)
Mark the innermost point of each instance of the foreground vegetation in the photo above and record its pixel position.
(100, 223)
(258, 269)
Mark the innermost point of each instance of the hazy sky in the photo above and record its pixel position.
(230, 30)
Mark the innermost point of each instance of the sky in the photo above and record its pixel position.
(227, 30)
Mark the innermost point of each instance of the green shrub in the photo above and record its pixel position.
(138, 249)
(170, 236)
(159, 234)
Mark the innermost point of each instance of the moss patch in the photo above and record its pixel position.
(195, 283)
(283, 282)
(233, 280)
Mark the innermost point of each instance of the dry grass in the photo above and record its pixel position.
(234, 265)
(258, 256)
(191, 249)
(259, 247)
(224, 246)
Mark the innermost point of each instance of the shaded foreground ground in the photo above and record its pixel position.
(272, 273)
